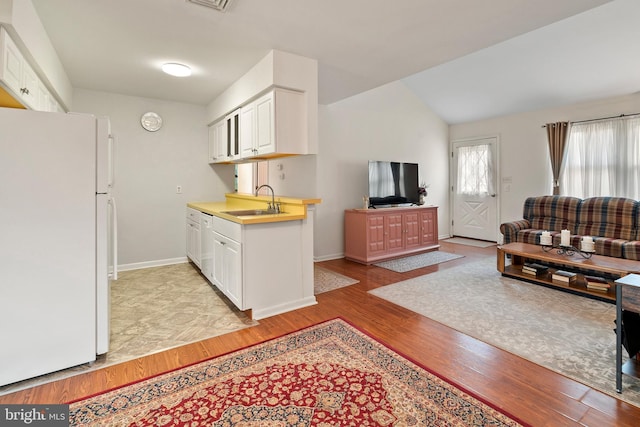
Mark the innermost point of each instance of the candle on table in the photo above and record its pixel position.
(587, 244)
(565, 237)
(545, 238)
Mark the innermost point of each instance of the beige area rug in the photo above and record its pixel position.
(326, 280)
(155, 309)
(413, 262)
(470, 242)
(566, 333)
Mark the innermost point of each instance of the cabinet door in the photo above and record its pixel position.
(394, 232)
(193, 242)
(206, 247)
(217, 275)
(411, 226)
(218, 142)
(11, 63)
(375, 234)
(30, 83)
(211, 157)
(265, 142)
(429, 227)
(247, 131)
(232, 139)
(44, 98)
(232, 274)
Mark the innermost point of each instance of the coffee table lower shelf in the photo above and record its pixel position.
(577, 287)
(602, 266)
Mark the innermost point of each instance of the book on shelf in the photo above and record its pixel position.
(564, 276)
(534, 269)
(596, 283)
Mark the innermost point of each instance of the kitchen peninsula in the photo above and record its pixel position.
(262, 261)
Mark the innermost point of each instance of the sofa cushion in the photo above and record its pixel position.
(532, 236)
(609, 246)
(510, 230)
(613, 217)
(631, 250)
(552, 212)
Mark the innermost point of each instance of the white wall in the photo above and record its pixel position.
(386, 123)
(524, 155)
(149, 166)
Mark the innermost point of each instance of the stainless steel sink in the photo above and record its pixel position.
(251, 212)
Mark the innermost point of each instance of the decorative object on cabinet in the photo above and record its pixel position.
(151, 121)
(422, 191)
(373, 235)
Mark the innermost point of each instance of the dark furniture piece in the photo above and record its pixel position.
(627, 300)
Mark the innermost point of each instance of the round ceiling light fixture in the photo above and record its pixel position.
(175, 69)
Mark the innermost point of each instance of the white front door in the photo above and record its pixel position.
(473, 184)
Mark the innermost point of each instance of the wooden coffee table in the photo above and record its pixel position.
(608, 267)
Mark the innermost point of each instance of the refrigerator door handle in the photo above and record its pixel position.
(114, 238)
(111, 166)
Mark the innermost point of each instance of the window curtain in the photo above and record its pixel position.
(603, 159)
(556, 136)
(475, 170)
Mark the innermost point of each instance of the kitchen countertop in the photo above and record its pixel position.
(292, 208)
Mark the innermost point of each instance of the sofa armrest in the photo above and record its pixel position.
(510, 229)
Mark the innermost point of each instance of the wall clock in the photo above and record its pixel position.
(151, 121)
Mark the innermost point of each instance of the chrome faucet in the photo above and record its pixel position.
(272, 205)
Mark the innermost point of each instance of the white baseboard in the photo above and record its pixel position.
(327, 257)
(261, 313)
(149, 264)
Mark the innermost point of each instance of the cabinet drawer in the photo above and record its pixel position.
(227, 228)
(193, 215)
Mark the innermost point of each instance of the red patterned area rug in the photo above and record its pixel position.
(330, 374)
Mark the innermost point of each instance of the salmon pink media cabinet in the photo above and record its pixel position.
(372, 235)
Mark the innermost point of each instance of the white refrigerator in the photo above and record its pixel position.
(57, 241)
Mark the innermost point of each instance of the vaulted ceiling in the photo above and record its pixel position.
(466, 59)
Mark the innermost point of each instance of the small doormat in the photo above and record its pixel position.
(331, 374)
(402, 265)
(326, 280)
(470, 242)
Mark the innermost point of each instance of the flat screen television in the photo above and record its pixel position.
(393, 183)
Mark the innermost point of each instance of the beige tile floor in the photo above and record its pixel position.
(154, 309)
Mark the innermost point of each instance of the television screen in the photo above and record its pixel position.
(393, 183)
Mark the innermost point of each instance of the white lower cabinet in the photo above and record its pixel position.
(266, 267)
(224, 260)
(193, 236)
(227, 268)
(206, 246)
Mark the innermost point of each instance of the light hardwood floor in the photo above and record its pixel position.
(534, 394)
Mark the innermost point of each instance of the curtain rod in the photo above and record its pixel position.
(606, 118)
(602, 118)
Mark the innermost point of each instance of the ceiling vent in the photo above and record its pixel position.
(219, 5)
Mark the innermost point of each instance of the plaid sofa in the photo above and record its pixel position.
(613, 222)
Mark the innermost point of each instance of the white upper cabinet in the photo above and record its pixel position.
(233, 135)
(11, 63)
(218, 142)
(247, 130)
(224, 139)
(22, 81)
(265, 124)
(274, 125)
(17, 75)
